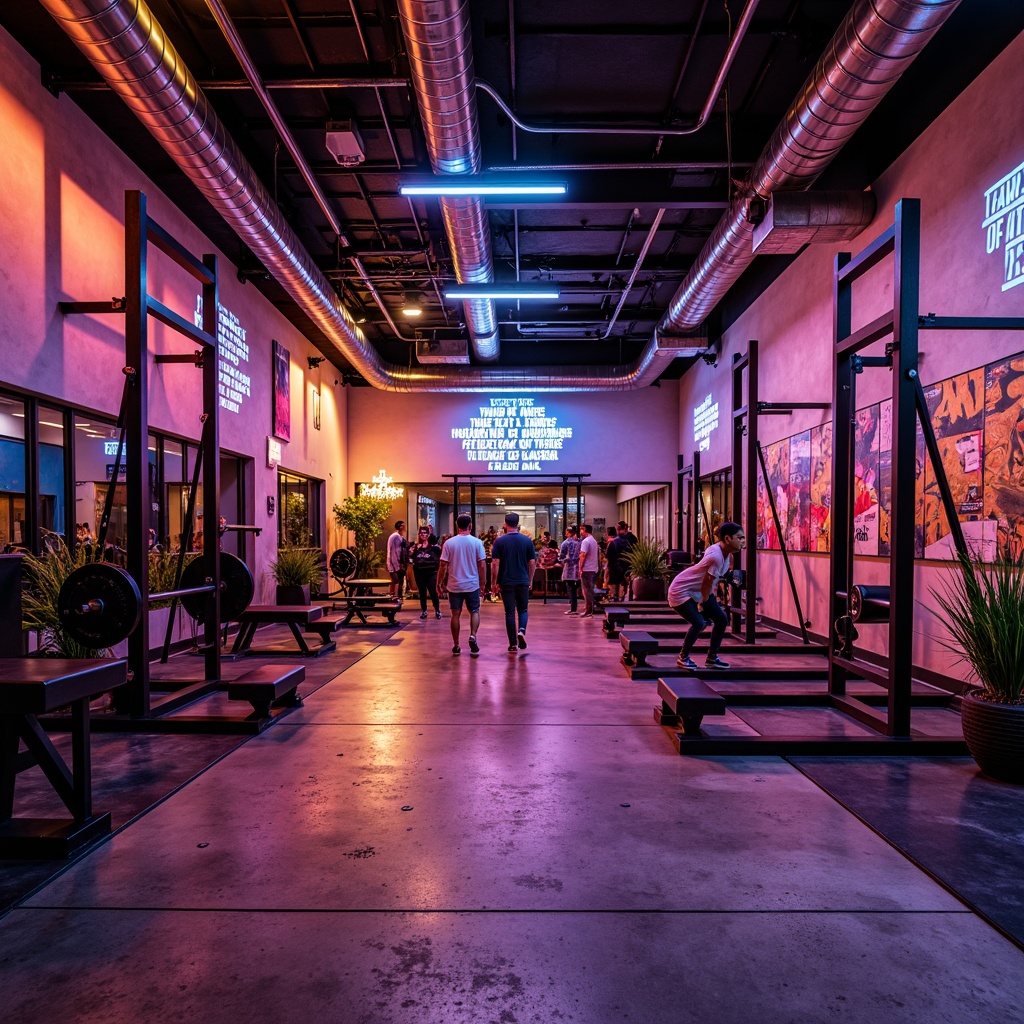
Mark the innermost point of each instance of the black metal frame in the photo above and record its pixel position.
(892, 731)
(135, 703)
(747, 456)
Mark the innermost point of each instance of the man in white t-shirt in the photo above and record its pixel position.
(589, 559)
(696, 585)
(463, 565)
(397, 560)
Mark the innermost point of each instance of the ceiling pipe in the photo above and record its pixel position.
(439, 41)
(131, 51)
(608, 129)
(875, 44)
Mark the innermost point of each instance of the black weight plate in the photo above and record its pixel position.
(99, 604)
(237, 586)
(343, 564)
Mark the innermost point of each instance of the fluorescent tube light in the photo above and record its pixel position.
(458, 185)
(536, 290)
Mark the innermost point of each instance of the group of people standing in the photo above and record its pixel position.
(458, 569)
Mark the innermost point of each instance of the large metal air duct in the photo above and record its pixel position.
(871, 49)
(874, 45)
(439, 41)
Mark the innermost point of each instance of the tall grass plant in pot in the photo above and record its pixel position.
(983, 610)
(647, 567)
(297, 573)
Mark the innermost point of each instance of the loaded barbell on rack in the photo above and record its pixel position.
(100, 604)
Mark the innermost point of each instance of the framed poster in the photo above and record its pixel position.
(282, 393)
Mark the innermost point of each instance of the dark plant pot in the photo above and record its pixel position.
(292, 594)
(995, 737)
(648, 590)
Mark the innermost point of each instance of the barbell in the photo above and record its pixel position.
(869, 603)
(100, 604)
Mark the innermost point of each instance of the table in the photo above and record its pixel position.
(30, 687)
(290, 615)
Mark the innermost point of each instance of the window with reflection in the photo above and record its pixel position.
(12, 474)
(298, 503)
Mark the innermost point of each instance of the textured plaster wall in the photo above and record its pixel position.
(967, 149)
(62, 185)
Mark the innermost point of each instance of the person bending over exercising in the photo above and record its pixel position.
(692, 595)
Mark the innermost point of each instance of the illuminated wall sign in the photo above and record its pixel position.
(381, 487)
(110, 448)
(512, 435)
(1004, 225)
(705, 419)
(232, 351)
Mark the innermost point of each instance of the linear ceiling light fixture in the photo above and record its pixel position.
(458, 185)
(536, 290)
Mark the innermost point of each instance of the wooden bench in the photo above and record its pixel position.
(30, 687)
(290, 615)
(636, 645)
(687, 701)
(268, 686)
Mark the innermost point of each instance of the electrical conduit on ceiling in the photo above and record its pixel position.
(872, 47)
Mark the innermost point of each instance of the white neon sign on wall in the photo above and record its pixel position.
(1004, 224)
(512, 435)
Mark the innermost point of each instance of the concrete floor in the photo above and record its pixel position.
(503, 838)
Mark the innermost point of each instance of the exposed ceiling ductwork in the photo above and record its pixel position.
(437, 34)
(872, 48)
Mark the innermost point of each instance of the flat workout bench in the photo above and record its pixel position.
(636, 645)
(268, 686)
(688, 702)
(36, 686)
(363, 603)
(290, 615)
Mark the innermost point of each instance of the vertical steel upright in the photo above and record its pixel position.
(744, 487)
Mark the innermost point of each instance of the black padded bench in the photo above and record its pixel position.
(290, 615)
(360, 605)
(687, 701)
(615, 617)
(636, 645)
(30, 687)
(268, 686)
(324, 628)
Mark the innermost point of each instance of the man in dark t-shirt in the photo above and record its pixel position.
(513, 559)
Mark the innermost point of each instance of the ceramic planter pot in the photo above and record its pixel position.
(292, 594)
(648, 590)
(995, 737)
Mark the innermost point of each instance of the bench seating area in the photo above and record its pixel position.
(361, 605)
(687, 701)
(637, 644)
(292, 616)
(267, 687)
(30, 687)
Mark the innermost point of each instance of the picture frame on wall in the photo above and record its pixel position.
(282, 427)
(316, 409)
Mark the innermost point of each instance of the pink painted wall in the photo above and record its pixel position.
(617, 438)
(973, 144)
(62, 185)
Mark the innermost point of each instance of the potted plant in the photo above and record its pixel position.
(364, 515)
(296, 572)
(646, 565)
(44, 575)
(983, 609)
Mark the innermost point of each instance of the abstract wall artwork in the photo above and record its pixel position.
(978, 419)
(282, 393)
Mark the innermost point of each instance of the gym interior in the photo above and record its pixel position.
(783, 288)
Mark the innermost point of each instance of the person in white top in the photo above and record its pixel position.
(589, 559)
(692, 595)
(397, 560)
(463, 565)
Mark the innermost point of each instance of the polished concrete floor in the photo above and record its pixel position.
(511, 838)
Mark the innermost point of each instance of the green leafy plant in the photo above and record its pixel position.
(297, 533)
(645, 560)
(298, 567)
(43, 577)
(983, 609)
(364, 515)
(162, 567)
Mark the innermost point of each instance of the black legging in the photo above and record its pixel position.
(426, 580)
(713, 611)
